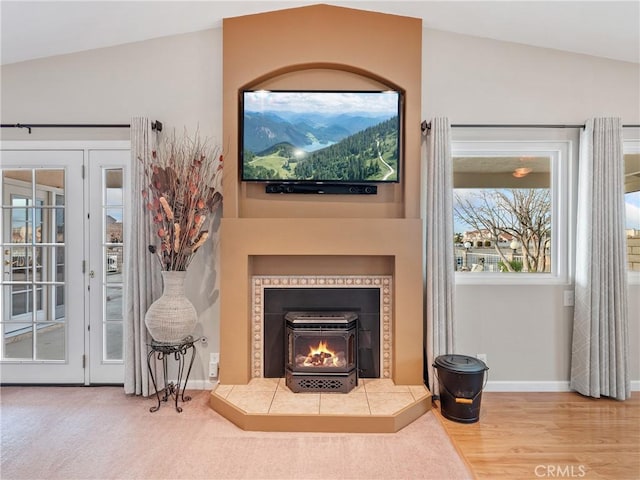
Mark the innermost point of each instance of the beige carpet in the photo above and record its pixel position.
(100, 433)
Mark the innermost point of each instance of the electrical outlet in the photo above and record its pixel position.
(569, 299)
(214, 364)
(482, 357)
(213, 369)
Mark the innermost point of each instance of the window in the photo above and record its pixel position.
(632, 207)
(510, 204)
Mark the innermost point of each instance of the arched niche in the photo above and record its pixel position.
(321, 76)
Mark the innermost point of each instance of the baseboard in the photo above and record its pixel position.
(551, 386)
(202, 384)
(492, 386)
(499, 386)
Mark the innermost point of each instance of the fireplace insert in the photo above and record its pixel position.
(321, 351)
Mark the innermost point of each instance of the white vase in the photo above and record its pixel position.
(172, 317)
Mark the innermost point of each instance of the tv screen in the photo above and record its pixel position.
(320, 136)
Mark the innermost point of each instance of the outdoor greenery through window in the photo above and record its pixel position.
(503, 212)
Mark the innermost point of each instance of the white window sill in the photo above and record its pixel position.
(479, 278)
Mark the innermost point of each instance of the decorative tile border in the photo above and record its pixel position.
(260, 282)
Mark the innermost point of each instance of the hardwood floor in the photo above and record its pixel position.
(550, 435)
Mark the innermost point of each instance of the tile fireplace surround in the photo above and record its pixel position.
(381, 282)
(376, 405)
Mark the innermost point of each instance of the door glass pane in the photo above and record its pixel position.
(59, 219)
(50, 179)
(20, 306)
(33, 268)
(20, 219)
(18, 341)
(59, 262)
(59, 302)
(113, 255)
(113, 341)
(113, 222)
(39, 214)
(113, 191)
(113, 264)
(37, 262)
(50, 341)
(114, 305)
(22, 177)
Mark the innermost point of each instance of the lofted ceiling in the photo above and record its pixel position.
(31, 30)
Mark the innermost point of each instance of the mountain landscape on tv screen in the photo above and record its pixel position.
(294, 146)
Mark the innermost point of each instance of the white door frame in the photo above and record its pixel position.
(103, 370)
(32, 374)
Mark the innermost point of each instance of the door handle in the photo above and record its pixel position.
(92, 274)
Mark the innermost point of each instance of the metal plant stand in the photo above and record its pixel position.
(179, 350)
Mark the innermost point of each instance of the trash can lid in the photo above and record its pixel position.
(460, 363)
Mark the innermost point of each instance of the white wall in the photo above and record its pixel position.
(525, 331)
(477, 80)
(177, 80)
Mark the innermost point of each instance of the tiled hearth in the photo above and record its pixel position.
(265, 403)
(375, 405)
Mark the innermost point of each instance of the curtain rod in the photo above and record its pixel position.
(427, 126)
(155, 125)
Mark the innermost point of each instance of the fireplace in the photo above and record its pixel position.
(368, 296)
(386, 398)
(321, 351)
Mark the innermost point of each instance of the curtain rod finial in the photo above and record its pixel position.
(18, 125)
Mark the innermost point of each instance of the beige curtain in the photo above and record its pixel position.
(144, 283)
(439, 270)
(600, 350)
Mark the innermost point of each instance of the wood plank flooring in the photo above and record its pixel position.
(550, 435)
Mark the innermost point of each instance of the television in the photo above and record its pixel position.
(317, 137)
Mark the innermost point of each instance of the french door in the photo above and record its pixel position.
(63, 216)
(108, 174)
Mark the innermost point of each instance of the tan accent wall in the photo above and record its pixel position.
(322, 47)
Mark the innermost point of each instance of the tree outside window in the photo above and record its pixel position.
(503, 214)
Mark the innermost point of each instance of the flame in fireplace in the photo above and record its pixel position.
(321, 356)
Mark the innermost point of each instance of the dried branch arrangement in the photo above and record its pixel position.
(183, 193)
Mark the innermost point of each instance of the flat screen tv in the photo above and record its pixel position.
(320, 136)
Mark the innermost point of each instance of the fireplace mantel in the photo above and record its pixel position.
(312, 247)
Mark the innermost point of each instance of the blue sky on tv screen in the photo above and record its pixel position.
(374, 103)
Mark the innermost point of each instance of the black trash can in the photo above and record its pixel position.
(461, 379)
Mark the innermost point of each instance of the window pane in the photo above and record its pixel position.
(114, 305)
(18, 341)
(50, 340)
(59, 303)
(113, 191)
(59, 225)
(113, 341)
(113, 263)
(50, 178)
(632, 209)
(502, 213)
(113, 222)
